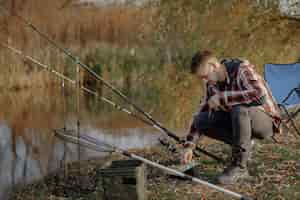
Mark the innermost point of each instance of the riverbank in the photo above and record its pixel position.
(274, 170)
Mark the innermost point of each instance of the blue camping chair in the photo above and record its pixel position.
(284, 82)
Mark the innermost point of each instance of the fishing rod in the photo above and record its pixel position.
(73, 82)
(91, 92)
(77, 61)
(98, 145)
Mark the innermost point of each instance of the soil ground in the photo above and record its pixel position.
(274, 170)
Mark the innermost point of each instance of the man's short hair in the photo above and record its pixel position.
(199, 58)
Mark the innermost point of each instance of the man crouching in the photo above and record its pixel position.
(237, 107)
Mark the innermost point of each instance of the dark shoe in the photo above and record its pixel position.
(232, 174)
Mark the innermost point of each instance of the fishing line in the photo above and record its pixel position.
(75, 140)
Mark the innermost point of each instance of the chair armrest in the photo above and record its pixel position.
(297, 89)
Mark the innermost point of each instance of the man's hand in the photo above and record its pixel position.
(187, 156)
(187, 153)
(214, 102)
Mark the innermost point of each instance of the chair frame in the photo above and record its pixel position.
(290, 116)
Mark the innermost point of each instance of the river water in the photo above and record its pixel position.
(28, 148)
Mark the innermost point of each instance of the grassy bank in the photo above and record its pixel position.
(274, 169)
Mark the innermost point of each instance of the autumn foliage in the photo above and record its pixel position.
(70, 24)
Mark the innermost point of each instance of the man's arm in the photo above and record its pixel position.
(253, 92)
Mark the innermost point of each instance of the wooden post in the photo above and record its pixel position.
(64, 162)
(123, 180)
(78, 88)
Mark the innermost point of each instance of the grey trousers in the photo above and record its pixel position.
(236, 127)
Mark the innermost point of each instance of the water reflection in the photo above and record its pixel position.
(45, 154)
(28, 148)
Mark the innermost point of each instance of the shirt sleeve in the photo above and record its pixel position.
(252, 92)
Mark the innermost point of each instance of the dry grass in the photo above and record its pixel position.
(74, 27)
(231, 28)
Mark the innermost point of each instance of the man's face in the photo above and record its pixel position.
(207, 71)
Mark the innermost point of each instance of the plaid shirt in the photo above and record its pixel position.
(243, 86)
